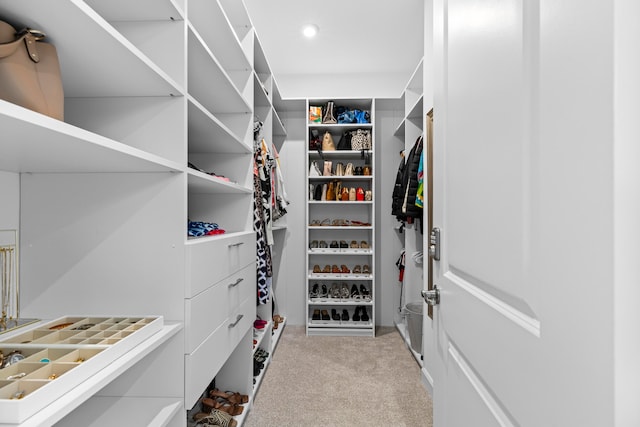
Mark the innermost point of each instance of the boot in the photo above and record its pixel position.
(328, 114)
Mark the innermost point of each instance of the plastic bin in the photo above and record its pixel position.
(413, 315)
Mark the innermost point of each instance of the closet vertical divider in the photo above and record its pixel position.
(221, 271)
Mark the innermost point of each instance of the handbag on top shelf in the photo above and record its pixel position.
(30, 71)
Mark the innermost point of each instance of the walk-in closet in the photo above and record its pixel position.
(257, 213)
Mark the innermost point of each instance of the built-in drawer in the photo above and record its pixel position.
(203, 364)
(210, 308)
(210, 260)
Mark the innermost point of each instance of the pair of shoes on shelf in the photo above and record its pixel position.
(361, 270)
(315, 291)
(362, 245)
(214, 418)
(363, 293)
(259, 323)
(320, 223)
(343, 269)
(210, 404)
(320, 315)
(260, 355)
(360, 314)
(337, 317)
(277, 319)
(259, 358)
(323, 291)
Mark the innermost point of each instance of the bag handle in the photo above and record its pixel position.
(30, 38)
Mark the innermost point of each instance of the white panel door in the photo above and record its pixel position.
(521, 336)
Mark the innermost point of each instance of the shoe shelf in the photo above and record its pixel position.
(338, 228)
(341, 154)
(277, 334)
(335, 276)
(325, 251)
(335, 323)
(341, 227)
(260, 334)
(336, 302)
(334, 202)
(341, 178)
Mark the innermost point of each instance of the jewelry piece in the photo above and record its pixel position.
(84, 327)
(79, 360)
(9, 288)
(60, 326)
(17, 395)
(13, 357)
(44, 360)
(53, 376)
(17, 376)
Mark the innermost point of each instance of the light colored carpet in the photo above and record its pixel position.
(341, 381)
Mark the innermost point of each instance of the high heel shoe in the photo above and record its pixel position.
(354, 292)
(364, 316)
(334, 314)
(231, 396)
(365, 293)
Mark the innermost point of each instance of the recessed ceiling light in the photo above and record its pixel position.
(310, 30)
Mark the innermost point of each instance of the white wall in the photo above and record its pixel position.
(343, 85)
(291, 288)
(389, 242)
(9, 200)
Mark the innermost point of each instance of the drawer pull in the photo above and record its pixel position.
(235, 244)
(232, 325)
(236, 283)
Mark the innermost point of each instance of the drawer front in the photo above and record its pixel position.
(209, 261)
(203, 364)
(209, 309)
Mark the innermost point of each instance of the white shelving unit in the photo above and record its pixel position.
(105, 196)
(337, 222)
(267, 103)
(410, 128)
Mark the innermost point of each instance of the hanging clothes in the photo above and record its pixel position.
(263, 250)
(281, 200)
(398, 191)
(420, 192)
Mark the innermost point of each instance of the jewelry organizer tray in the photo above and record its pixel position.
(46, 361)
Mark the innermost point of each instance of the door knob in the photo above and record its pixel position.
(431, 297)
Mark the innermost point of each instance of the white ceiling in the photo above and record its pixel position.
(356, 36)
